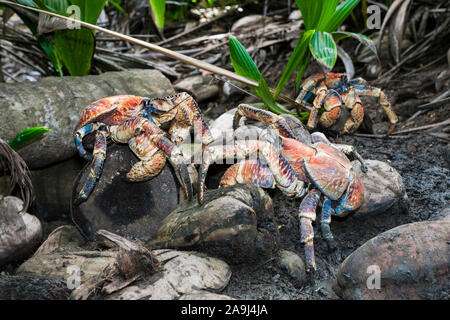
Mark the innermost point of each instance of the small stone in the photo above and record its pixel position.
(293, 265)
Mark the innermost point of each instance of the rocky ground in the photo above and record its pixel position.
(421, 158)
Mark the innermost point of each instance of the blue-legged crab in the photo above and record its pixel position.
(135, 120)
(314, 171)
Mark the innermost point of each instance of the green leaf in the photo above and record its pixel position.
(49, 49)
(301, 70)
(327, 14)
(341, 13)
(75, 48)
(244, 66)
(323, 49)
(295, 60)
(241, 60)
(90, 9)
(311, 12)
(27, 136)
(159, 10)
(365, 40)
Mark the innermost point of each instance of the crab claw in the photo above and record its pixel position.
(182, 173)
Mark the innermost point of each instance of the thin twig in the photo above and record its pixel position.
(428, 126)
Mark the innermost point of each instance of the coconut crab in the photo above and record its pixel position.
(315, 171)
(135, 120)
(334, 89)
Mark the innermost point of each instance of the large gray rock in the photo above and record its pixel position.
(129, 209)
(20, 232)
(408, 262)
(234, 223)
(56, 103)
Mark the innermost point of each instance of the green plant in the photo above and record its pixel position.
(71, 48)
(27, 136)
(322, 19)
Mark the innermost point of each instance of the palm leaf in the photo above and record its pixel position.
(341, 13)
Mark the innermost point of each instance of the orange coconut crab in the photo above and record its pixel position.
(333, 90)
(135, 120)
(317, 171)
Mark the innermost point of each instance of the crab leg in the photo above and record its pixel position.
(254, 172)
(307, 214)
(321, 93)
(284, 175)
(78, 137)
(132, 128)
(266, 117)
(352, 102)
(308, 85)
(325, 220)
(332, 105)
(376, 92)
(99, 155)
(185, 112)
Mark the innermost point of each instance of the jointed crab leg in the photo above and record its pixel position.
(99, 155)
(352, 102)
(78, 137)
(154, 136)
(266, 117)
(376, 92)
(307, 214)
(325, 220)
(185, 112)
(284, 175)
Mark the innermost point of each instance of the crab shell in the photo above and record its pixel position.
(327, 168)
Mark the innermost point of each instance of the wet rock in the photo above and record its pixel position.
(412, 261)
(293, 265)
(130, 209)
(56, 103)
(67, 237)
(20, 232)
(204, 295)
(234, 223)
(182, 273)
(28, 288)
(384, 189)
(53, 188)
(200, 87)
